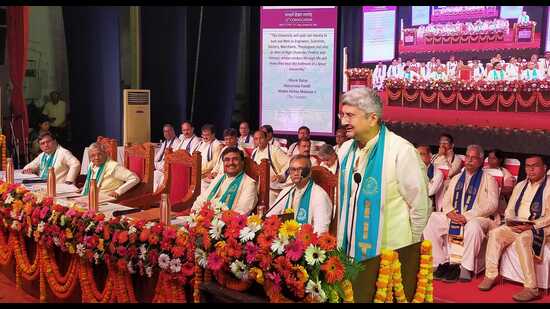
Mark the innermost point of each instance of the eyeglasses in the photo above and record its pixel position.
(348, 116)
(296, 169)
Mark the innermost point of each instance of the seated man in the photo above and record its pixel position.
(277, 158)
(244, 131)
(308, 201)
(531, 73)
(472, 196)
(409, 74)
(229, 140)
(329, 158)
(170, 142)
(530, 201)
(303, 132)
(439, 74)
(497, 74)
(446, 156)
(233, 187)
(188, 140)
(111, 177)
(340, 138)
(66, 166)
(304, 148)
(210, 149)
(435, 176)
(268, 129)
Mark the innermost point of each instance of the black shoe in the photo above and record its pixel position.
(453, 274)
(441, 271)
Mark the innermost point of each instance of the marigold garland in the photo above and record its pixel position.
(486, 101)
(430, 99)
(542, 100)
(446, 99)
(527, 102)
(465, 101)
(506, 102)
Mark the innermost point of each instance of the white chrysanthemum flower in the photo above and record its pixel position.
(246, 234)
(150, 224)
(40, 227)
(9, 199)
(89, 227)
(201, 257)
(96, 258)
(216, 229)
(15, 225)
(316, 290)
(278, 245)
(239, 269)
(80, 249)
(164, 261)
(132, 230)
(314, 255)
(175, 265)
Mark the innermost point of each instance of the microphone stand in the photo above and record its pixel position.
(302, 176)
(357, 180)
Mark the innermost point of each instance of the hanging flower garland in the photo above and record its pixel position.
(430, 99)
(5, 249)
(29, 271)
(90, 292)
(527, 102)
(424, 285)
(384, 276)
(61, 286)
(506, 102)
(467, 101)
(4, 151)
(411, 97)
(394, 94)
(542, 99)
(446, 99)
(486, 101)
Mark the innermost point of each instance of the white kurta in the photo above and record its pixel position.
(209, 153)
(405, 206)
(436, 183)
(115, 178)
(158, 174)
(65, 166)
(244, 202)
(189, 143)
(320, 207)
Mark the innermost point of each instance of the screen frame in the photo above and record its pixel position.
(396, 37)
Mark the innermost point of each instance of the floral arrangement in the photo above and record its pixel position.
(134, 247)
(469, 85)
(358, 73)
(286, 257)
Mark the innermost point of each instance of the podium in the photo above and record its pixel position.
(524, 32)
(409, 37)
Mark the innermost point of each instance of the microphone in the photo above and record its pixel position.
(357, 180)
(277, 202)
(117, 213)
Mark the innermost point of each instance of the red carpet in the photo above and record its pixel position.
(469, 293)
(9, 294)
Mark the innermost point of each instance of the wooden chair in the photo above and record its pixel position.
(111, 145)
(260, 173)
(182, 183)
(139, 159)
(329, 182)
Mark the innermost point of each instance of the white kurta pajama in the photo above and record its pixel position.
(190, 144)
(245, 200)
(320, 207)
(405, 206)
(218, 169)
(477, 220)
(158, 174)
(66, 167)
(278, 162)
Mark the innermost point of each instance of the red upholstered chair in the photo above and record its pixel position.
(139, 159)
(260, 173)
(182, 182)
(328, 181)
(111, 145)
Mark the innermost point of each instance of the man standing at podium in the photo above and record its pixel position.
(383, 188)
(523, 18)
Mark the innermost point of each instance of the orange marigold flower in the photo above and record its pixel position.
(306, 235)
(333, 269)
(122, 237)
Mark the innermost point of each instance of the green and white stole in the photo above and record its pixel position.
(303, 209)
(497, 77)
(98, 177)
(48, 160)
(369, 201)
(230, 193)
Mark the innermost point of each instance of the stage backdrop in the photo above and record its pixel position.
(298, 63)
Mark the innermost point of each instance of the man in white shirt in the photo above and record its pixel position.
(531, 73)
(545, 63)
(439, 74)
(340, 138)
(424, 71)
(435, 176)
(111, 177)
(379, 75)
(497, 74)
(303, 132)
(328, 158)
(233, 188)
(304, 149)
(66, 166)
(170, 142)
(431, 64)
(512, 70)
(210, 149)
(307, 200)
(56, 110)
(523, 18)
(479, 71)
(276, 157)
(394, 71)
(244, 131)
(410, 75)
(268, 130)
(230, 137)
(188, 140)
(452, 66)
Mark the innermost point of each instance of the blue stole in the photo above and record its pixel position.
(303, 209)
(48, 160)
(188, 147)
(229, 196)
(430, 171)
(471, 193)
(536, 212)
(369, 198)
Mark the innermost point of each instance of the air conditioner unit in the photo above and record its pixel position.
(137, 116)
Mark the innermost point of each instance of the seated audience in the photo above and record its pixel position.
(210, 149)
(328, 158)
(171, 141)
(66, 166)
(530, 201)
(43, 126)
(435, 176)
(303, 132)
(233, 188)
(472, 196)
(340, 138)
(244, 131)
(307, 200)
(188, 140)
(268, 129)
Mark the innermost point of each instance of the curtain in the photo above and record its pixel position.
(17, 41)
